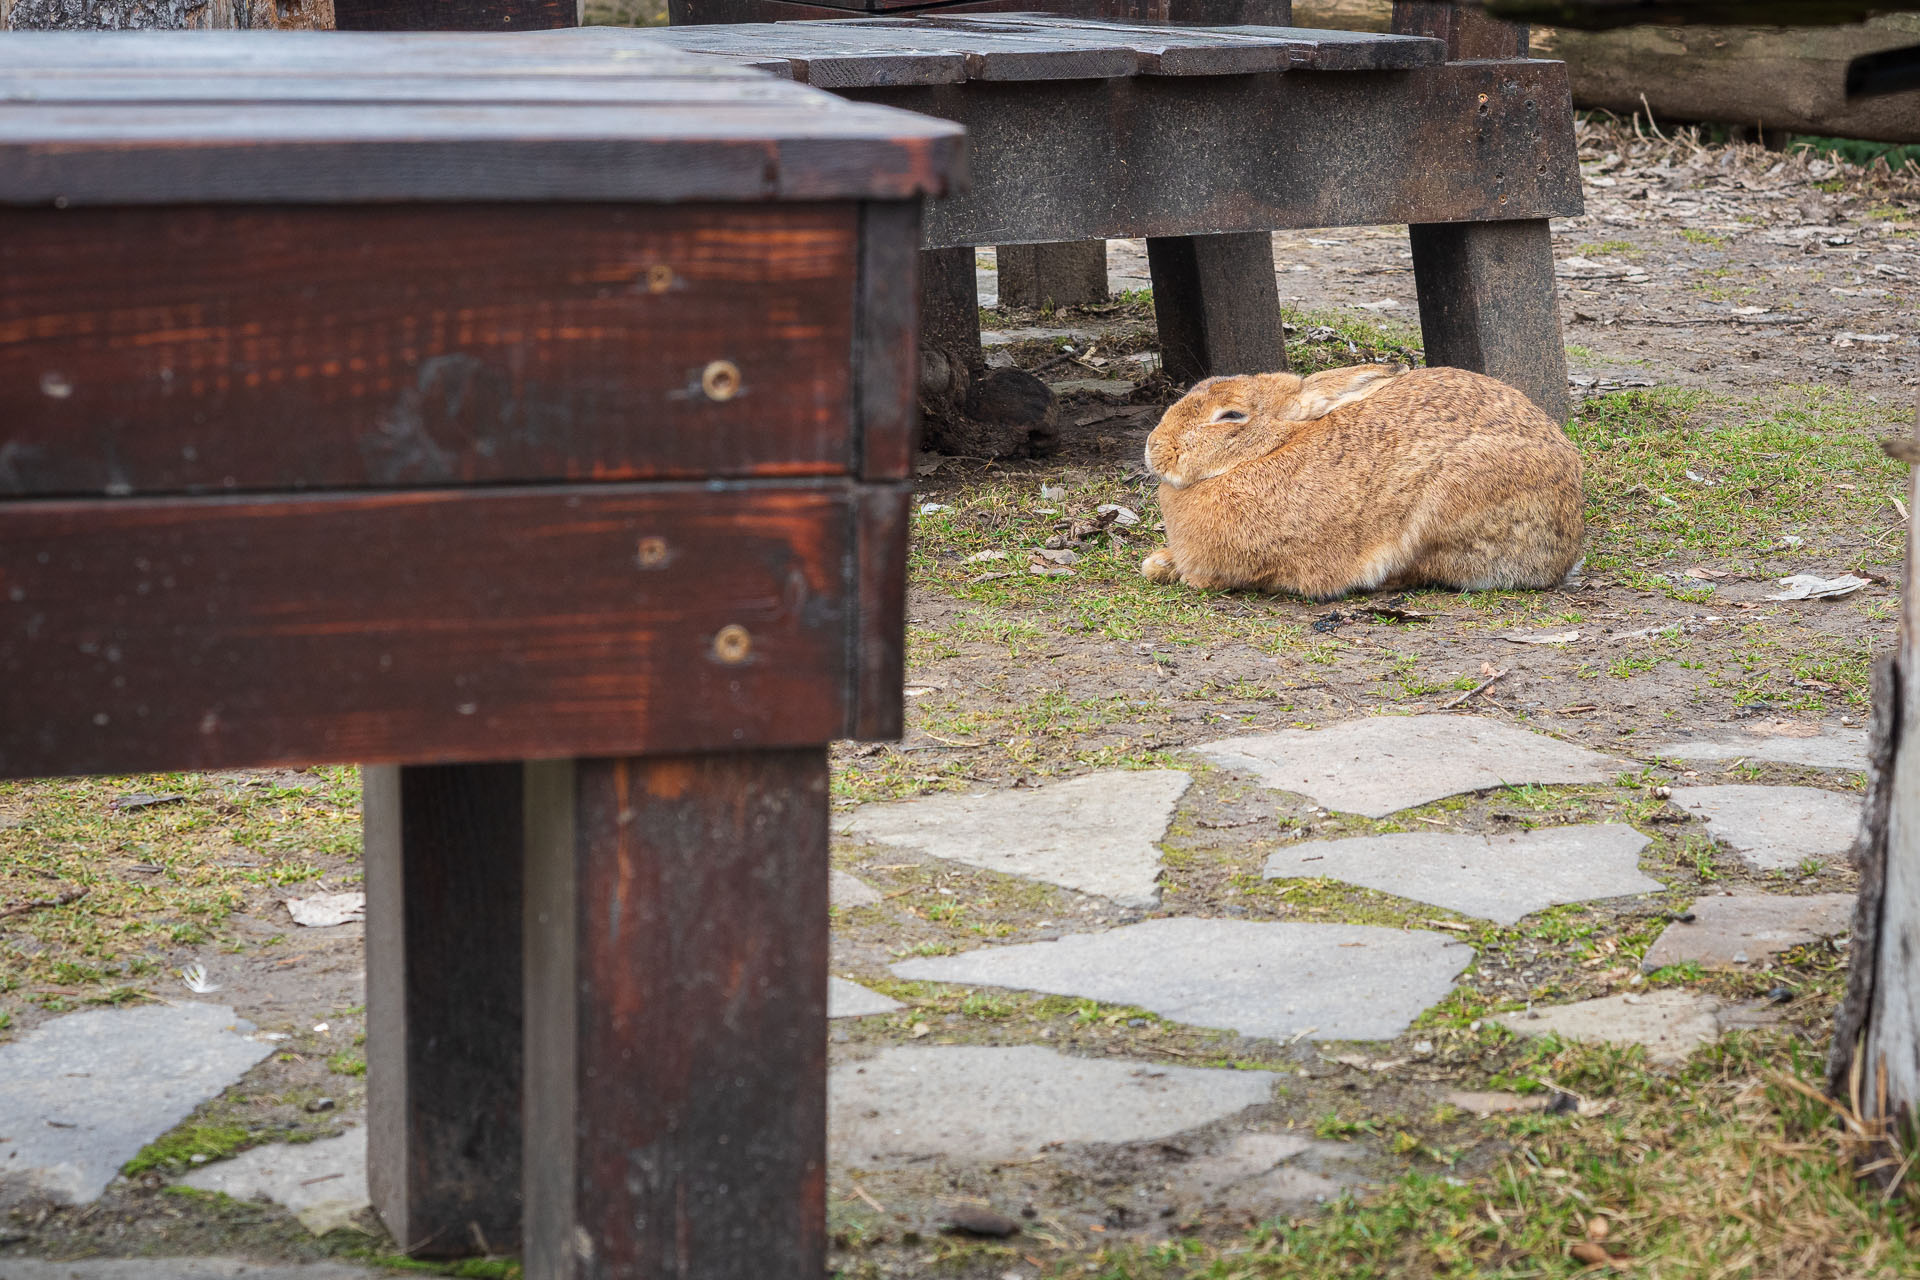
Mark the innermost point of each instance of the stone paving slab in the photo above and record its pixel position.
(1748, 928)
(1259, 1171)
(978, 1104)
(845, 890)
(1381, 764)
(1279, 980)
(1098, 834)
(851, 1000)
(322, 1183)
(79, 1096)
(181, 1269)
(1826, 747)
(1499, 878)
(1671, 1023)
(1775, 828)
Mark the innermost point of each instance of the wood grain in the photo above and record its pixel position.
(454, 15)
(444, 1032)
(143, 634)
(1188, 155)
(195, 350)
(677, 929)
(230, 131)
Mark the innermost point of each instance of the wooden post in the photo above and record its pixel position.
(950, 304)
(1487, 297)
(676, 925)
(443, 865)
(1464, 25)
(1874, 1067)
(1217, 305)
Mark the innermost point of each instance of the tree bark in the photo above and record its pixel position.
(1873, 1069)
(165, 15)
(1779, 79)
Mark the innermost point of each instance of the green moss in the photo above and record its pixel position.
(176, 1148)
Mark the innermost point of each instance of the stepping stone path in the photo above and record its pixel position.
(323, 1183)
(1778, 742)
(1279, 980)
(180, 1269)
(982, 1104)
(1670, 1023)
(1499, 878)
(81, 1095)
(1775, 828)
(850, 1000)
(1098, 834)
(1382, 764)
(1748, 928)
(846, 891)
(1256, 1171)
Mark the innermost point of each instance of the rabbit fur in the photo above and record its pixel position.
(1370, 477)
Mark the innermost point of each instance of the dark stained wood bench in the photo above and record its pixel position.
(528, 420)
(1204, 140)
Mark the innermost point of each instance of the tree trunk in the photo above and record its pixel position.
(1873, 1069)
(164, 15)
(1773, 78)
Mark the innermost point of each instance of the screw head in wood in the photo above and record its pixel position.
(651, 553)
(659, 278)
(732, 644)
(721, 380)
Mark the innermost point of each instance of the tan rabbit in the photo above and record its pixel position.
(1363, 478)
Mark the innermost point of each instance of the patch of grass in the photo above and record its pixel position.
(154, 878)
(1722, 1169)
(176, 1148)
(347, 1062)
(1693, 235)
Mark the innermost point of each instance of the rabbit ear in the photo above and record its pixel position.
(1324, 392)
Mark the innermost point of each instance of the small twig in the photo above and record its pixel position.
(1482, 687)
(862, 1193)
(1452, 925)
(1650, 123)
(71, 895)
(325, 1177)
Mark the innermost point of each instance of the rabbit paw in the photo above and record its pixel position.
(1159, 567)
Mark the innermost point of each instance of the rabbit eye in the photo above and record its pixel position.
(1229, 415)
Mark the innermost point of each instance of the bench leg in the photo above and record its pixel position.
(1217, 305)
(443, 864)
(676, 917)
(1073, 274)
(1487, 303)
(950, 302)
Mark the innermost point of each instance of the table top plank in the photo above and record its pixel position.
(300, 117)
(881, 52)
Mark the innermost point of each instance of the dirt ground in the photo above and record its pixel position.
(1739, 330)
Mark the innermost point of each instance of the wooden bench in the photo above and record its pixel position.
(1206, 140)
(528, 421)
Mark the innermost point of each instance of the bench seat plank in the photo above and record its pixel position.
(126, 371)
(949, 48)
(470, 625)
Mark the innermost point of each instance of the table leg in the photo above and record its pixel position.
(443, 864)
(1217, 305)
(1487, 303)
(676, 918)
(950, 303)
(1071, 274)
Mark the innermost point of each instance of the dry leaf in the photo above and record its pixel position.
(1806, 586)
(327, 909)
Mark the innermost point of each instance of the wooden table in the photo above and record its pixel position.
(1206, 140)
(527, 419)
